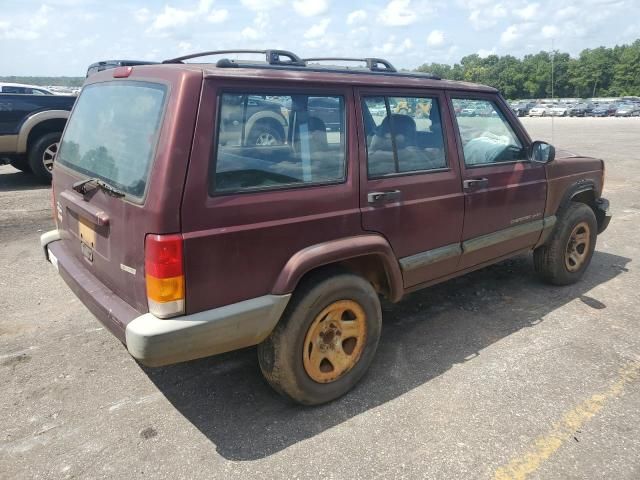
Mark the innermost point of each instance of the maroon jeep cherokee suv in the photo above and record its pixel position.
(194, 217)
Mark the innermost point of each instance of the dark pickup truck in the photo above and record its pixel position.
(30, 129)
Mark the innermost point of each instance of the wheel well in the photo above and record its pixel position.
(47, 126)
(588, 197)
(369, 267)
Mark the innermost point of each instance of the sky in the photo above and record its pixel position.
(62, 37)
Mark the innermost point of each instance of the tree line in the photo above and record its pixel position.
(600, 72)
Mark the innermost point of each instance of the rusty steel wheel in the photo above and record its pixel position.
(326, 338)
(565, 256)
(334, 341)
(577, 250)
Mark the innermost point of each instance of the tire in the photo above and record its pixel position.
(310, 382)
(21, 164)
(42, 154)
(561, 261)
(263, 134)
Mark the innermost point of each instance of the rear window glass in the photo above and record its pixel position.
(278, 141)
(113, 132)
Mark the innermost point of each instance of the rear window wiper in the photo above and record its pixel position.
(81, 187)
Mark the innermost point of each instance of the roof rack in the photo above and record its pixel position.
(373, 64)
(286, 60)
(272, 57)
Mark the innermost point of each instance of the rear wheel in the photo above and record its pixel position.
(42, 154)
(568, 253)
(325, 341)
(263, 135)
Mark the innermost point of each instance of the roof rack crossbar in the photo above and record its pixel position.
(272, 56)
(372, 63)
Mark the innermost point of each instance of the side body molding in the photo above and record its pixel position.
(338, 250)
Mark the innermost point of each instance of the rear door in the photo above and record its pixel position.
(123, 133)
(410, 188)
(250, 205)
(504, 193)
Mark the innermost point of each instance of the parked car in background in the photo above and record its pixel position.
(186, 242)
(521, 109)
(604, 110)
(254, 120)
(31, 124)
(23, 89)
(559, 110)
(581, 110)
(540, 111)
(628, 110)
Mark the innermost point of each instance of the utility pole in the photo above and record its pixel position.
(553, 56)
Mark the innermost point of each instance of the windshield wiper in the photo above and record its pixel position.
(81, 187)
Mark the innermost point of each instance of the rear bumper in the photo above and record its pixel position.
(154, 341)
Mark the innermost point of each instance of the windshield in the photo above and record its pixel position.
(113, 132)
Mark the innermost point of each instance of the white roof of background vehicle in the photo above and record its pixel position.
(24, 85)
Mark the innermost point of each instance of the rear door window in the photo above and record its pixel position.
(404, 135)
(278, 141)
(113, 132)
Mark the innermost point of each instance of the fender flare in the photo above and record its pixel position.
(334, 251)
(583, 185)
(264, 115)
(35, 119)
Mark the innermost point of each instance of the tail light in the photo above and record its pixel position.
(164, 275)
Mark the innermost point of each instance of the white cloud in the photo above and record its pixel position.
(485, 17)
(142, 15)
(550, 31)
(435, 38)
(250, 33)
(356, 16)
(567, 12)
(510, 35)
(529, 12)
(37, 22)
(310, 8)
(483, 53)
(257, 5)
(218, 16)
(318, 30)
(184, 47)
(391, 47)
(397, 13)
(172, 17)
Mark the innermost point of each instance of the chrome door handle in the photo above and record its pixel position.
(384, 197)
(474, 183)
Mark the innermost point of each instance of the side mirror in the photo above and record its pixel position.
(541, 152)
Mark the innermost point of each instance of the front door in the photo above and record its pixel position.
(410, 189)
(504, 192)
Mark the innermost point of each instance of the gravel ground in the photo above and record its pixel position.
(493, 375)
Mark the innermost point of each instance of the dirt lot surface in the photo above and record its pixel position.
(493, 375)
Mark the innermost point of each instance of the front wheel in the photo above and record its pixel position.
(567, 255)
(325, 341)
